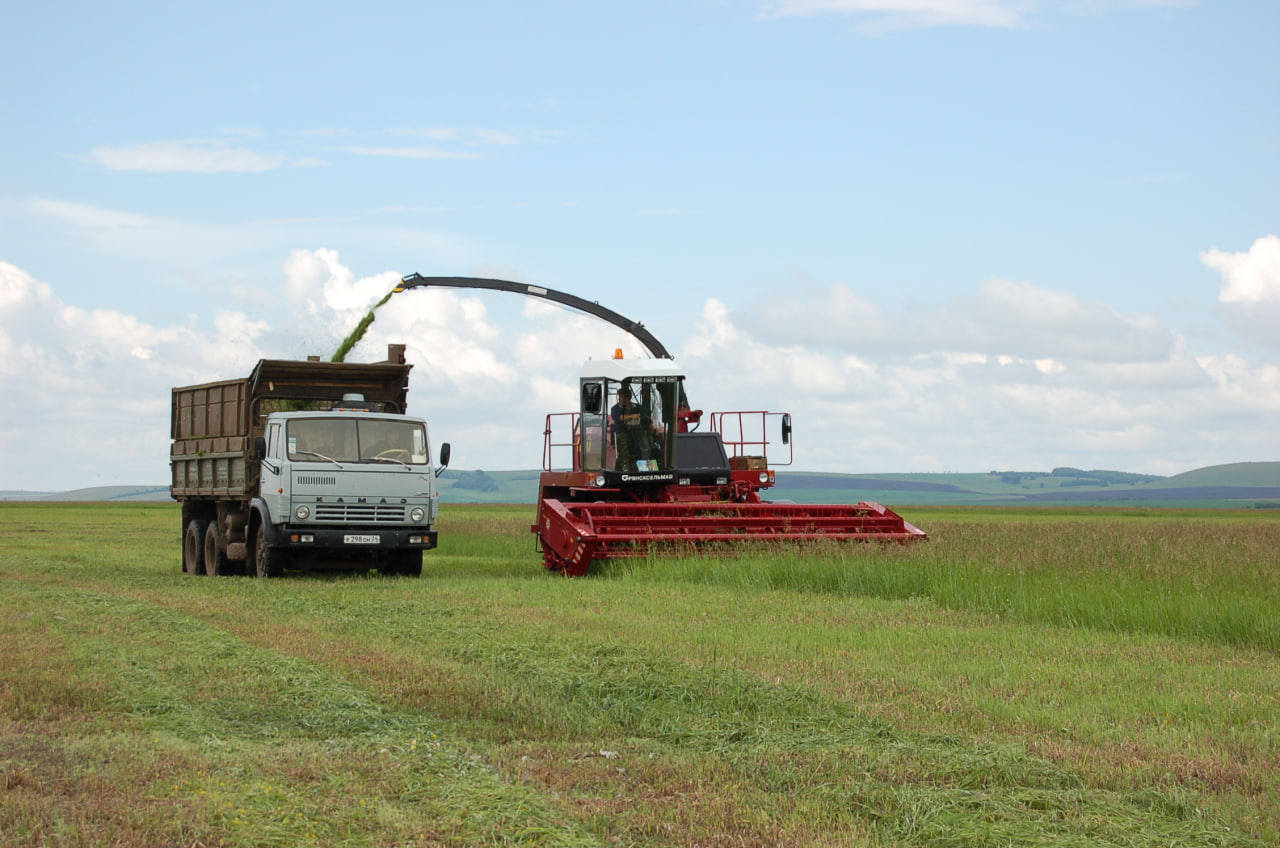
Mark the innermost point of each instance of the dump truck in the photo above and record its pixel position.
(304, 465)
(630, 471)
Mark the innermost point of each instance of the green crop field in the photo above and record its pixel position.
(1029, 676)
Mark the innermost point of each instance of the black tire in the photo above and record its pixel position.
(267, 561)
(216, 563)
(408, 563)
(402, 563)
(193, 546)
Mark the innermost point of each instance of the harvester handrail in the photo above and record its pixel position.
(738, 447)
(549, 447)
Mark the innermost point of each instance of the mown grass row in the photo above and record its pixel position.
(770, 699)
(178, 732)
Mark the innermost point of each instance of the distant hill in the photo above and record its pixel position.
(458, 486)
(1264, 474)
(94, 493)
(1238, 485)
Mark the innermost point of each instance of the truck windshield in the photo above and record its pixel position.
(357, 440)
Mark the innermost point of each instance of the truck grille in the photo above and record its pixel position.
(361, 513)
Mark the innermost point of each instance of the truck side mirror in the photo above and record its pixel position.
(445, 452)
(786, 428)
(260, 447)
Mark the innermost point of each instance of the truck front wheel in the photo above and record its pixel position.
(267, 561)
(193, 546)
(406, 563)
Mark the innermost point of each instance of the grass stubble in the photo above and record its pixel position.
(1092, 679)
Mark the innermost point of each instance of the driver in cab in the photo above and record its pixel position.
(632, 431)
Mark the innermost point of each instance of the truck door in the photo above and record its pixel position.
(272, 474)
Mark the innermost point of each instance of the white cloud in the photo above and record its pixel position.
(1002, 318)
(450, 335)
(19, 289)
(1250, 292)
(896, 14)
(90, 388)
(1013, 376)
(1242, 385)
(412, 152)
(985, 396)
(1248, 277)
(95, 218)
(321, 288)
(1025, 320)
(200, 246)
(201, 156)
(834, 316)
(470, 137)
(447, 142)
(142, 236)
(879, 16)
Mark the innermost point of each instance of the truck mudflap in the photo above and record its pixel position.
(574, 534)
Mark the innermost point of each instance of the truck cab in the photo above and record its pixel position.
(348, 484)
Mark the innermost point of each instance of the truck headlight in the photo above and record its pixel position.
(416, 514)
(303, 512)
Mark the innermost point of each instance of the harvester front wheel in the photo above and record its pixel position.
(552, 561)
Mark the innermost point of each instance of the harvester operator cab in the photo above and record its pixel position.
(628, 419)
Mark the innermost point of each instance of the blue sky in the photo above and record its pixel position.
(947, 235)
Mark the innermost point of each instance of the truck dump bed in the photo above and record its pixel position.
(213, 425)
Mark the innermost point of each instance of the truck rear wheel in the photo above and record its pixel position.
(193, 546)
(267, 561)
(216, 563)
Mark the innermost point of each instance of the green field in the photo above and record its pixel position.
(1029, 676)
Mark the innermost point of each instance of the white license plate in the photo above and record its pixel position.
(352, 539)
